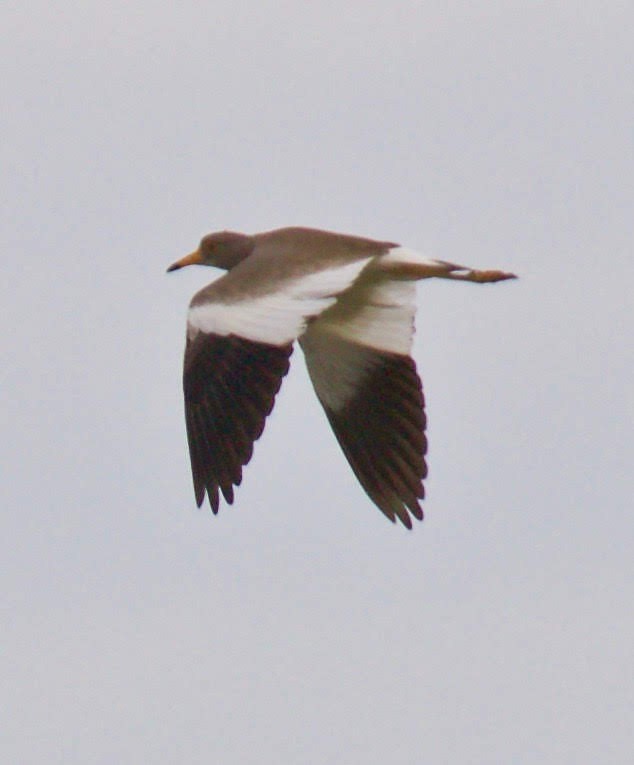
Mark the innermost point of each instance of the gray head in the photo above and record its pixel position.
(223, 249)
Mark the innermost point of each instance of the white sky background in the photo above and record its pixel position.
(299, 625)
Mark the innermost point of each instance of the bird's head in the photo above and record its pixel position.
(223, 249)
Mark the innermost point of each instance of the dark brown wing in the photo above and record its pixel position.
(375, 405)
(230, 385)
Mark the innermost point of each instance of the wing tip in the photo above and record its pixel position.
(406, 518)
(396, 508)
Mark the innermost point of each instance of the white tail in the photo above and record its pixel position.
(403, 263)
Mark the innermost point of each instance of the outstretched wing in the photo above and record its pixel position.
(230, 384)
(357, 355)
(239, 343)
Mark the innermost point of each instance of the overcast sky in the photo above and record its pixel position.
(299, 625)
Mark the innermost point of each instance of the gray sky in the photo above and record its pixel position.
(299, 625)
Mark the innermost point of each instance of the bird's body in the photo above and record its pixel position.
(350, 302)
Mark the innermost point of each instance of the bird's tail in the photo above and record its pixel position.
(404, 263)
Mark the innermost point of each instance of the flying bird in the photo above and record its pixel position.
(350, 302)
